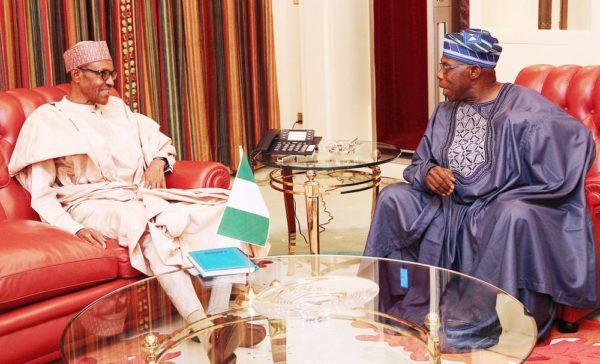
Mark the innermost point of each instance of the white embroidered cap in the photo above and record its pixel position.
(85, 52)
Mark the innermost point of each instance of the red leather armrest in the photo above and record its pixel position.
(592, 191)
(195, 174)
(592, 182)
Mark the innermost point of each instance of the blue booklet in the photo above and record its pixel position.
(221, 261)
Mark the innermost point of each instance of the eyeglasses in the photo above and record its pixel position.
(448, 67)
(104, 74)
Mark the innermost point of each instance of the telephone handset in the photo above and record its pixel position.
(288, 141)
(267, 140)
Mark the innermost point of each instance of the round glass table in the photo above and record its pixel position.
(309, 309)
(337, 167)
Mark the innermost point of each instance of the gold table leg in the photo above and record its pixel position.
(277, 331)
(376, 175)
(311, 191)
(290, 213)
(432, 321)
(150, 347)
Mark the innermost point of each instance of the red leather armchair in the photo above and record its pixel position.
(577, 90)
(46, 274)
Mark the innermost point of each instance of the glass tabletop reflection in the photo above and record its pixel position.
(334, 155)
(313, 308)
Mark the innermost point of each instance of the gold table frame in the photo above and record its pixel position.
(356, 169)
(156, 345)
(156, 349)
(282, 180)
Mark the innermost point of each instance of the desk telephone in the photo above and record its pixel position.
(288, 142)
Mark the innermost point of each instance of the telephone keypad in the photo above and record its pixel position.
(288, 147)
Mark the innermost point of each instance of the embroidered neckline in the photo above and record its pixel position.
(488, 145)
(81, 107)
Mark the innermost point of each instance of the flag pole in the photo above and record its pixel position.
(246, 217)
(250, 293)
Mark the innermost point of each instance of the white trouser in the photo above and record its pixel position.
(178, 286)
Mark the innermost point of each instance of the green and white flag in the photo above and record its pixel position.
(246, 217)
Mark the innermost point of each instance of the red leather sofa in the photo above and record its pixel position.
(46, 274)
(577, 90)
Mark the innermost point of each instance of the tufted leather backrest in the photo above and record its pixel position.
(574, 88)
(15, 106)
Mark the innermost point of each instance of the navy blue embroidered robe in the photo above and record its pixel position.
(517, 217)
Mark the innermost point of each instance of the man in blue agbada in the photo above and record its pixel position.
(495, 190)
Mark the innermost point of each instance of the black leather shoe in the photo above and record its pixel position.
(461, 337)
(223, 342)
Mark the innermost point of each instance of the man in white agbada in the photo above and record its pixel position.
(96, 169)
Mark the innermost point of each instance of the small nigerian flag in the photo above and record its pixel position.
(246, 217)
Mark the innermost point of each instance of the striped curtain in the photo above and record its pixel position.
(463, 15)
(204, 70)
(35, 33)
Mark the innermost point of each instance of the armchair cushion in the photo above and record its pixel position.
(40, 261)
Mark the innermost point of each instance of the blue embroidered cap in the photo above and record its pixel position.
(473, 46)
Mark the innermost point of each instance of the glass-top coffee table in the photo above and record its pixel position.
(338, 167)
(310, 309)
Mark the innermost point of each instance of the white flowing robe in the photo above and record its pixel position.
(83, 165)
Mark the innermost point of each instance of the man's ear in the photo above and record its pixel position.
(474, 72)
(76, 75)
